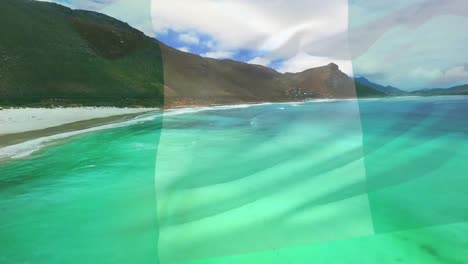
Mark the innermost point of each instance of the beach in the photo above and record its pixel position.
(26, 130)
(22, 124)
(18, 125)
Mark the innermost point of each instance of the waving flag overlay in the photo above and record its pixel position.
(353, 181)
(299, 131)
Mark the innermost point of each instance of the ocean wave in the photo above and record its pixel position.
(24, 149)
(189, 110)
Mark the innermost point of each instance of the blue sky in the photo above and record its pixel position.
(409, 44)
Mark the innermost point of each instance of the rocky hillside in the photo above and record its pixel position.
(194, 80)
(52, 55)
(390, 90)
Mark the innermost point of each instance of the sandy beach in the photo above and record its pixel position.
(22, 124)
(17, 120)
(26, 130)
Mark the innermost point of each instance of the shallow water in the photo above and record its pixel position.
(374, 181)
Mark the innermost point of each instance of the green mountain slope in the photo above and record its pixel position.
(390, 90)
(54, 55)
(457, 90)
(364, 91)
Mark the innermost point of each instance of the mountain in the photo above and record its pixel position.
(53, 55)
(327, 81)
(191, 79)
(457, 90)
(390, 90)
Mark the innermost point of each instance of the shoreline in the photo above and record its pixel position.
(20, 137)
(23, 133)
(22, 144)
(32, 141)
(18, 120)
(13, 145)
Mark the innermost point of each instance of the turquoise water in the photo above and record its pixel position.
(374, 181)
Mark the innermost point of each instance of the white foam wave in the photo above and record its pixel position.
(25, 149)
(188, 110)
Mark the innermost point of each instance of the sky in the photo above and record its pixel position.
(410, 44)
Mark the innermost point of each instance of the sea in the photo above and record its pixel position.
(322, 181)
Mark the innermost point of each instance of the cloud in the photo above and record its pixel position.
(218, 54)
(184, 49)
(454, 75)
(278, 29)
(190, 38)
(260, 61)
(448, 77)
(417, 56)
(405, 43)
(304, 61)
(409, 15)
(425, 74)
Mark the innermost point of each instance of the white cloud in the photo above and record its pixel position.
(388, 40)
(209, 44)
(425, 73)
(237, 23)
(457, 74)
(260, 61)
(418, 56)
(304, 61)
(449, 77)
(135, 13)
(218, 54)
(280, 29)
(189, 38)
(184, 49)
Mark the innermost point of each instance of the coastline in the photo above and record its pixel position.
(29, 128)
(23, 143)
(27, 140)
(19, 120)
(18, 131)
(20, 137)
(19, 125)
